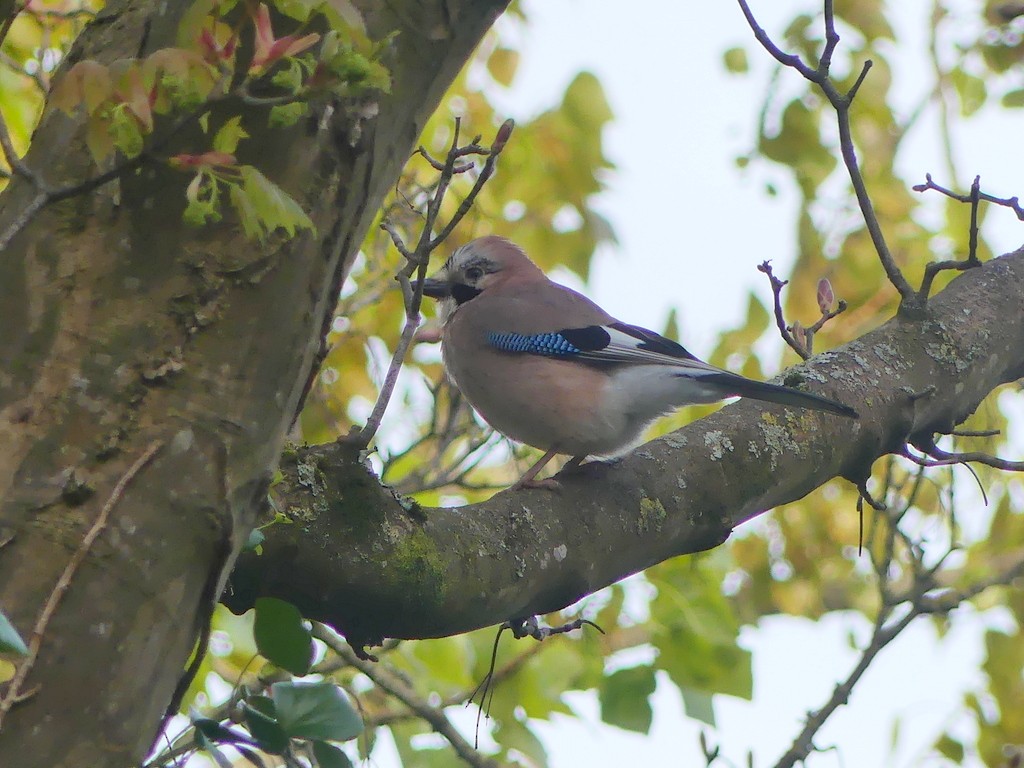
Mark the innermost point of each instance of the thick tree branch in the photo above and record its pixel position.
(375, 566)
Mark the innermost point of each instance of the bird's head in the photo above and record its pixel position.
(481, 265)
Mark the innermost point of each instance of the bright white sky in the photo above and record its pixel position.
(687, 219)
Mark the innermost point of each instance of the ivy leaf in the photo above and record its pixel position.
(10, 640)
(281, 636)
(318, 711)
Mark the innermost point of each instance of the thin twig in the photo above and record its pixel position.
(417, 259)
(780, 319)
(1013, 203)
(14, 161)
(393, 684)
(69, 571)
(976, 432)
(921, 602)
(940, 458)
(935, 267)
(841, 102)
(500, 140)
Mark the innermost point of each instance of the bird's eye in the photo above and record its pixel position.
(474, 273)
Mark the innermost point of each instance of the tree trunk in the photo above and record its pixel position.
(150, 372)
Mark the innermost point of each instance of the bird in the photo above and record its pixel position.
(546, 366)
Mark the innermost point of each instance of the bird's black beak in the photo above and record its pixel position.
(436, 289)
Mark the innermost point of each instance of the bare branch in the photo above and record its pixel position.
(417, 259)
(1013, 203)
(36, 641)
(959, 265)
(780, 319)
(394, 685)
(841, 102)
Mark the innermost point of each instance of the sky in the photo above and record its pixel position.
(687, 218)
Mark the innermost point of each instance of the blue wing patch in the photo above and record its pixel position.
(551, 344)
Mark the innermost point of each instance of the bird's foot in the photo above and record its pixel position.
(576, 465)
(548, 483)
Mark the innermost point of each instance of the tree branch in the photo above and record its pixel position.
(436, 572)
(841, 102)
(395, 686)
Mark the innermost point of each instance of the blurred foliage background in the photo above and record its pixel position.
(678, 624)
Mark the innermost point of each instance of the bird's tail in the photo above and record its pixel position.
(774, 393)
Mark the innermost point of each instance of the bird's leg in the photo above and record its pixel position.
(572, 463)
(527, 481)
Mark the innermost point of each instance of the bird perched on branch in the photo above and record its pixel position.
(546, 366)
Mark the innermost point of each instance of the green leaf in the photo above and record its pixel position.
(502, 65)
(513, 734)
(263, 206)
(1013, 99)
(799, 146)
(281, 635)
(261, 720)
(735, 60)
(255, 540)
(284, 115)
(950, 748)
(970, 89)
(229, 135)
(624, 697)
(318, 711)
(10, 640)
(329, 756)
(127, 134)
(698, 705)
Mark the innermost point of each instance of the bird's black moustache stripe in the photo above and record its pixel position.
(463, 293)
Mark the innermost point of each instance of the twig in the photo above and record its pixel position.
(1013, 203)
(417, 259)
(69, 571)
(500, 140)
(47, 195)
(935, 267)
(940, 458)
(799, 338)
(920, 603)
(393, 684)
(14, 161)
(841, 102)
(975, 432)
(803, 745)
(780, 319)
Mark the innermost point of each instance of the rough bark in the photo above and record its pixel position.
(122, 330)
(375, 566)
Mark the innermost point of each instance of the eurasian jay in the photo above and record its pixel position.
(546, 366)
